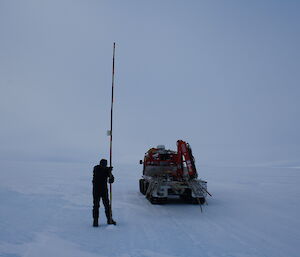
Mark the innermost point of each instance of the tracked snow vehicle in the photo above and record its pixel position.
(168, 173)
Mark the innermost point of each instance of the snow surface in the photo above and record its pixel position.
(45, 210)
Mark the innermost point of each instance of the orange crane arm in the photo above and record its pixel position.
(185, 156)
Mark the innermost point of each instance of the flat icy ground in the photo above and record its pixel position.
(45, 210)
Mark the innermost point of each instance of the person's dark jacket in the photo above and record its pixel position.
(100, 176)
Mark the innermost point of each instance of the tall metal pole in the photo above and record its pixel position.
(111, 125)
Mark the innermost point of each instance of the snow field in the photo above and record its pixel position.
(45, 210)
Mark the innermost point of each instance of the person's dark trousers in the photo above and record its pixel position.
(97, 195)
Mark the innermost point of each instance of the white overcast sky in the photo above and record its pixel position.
(223, 75)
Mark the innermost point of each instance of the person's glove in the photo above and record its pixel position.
(111, 179)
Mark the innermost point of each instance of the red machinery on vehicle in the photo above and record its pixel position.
(168, 173)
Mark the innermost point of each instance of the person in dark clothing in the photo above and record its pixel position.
(101, 174)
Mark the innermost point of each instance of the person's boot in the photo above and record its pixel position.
(95, 216)
(95, 223)
(111, 222)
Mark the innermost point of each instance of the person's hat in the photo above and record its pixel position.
(103, 162)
